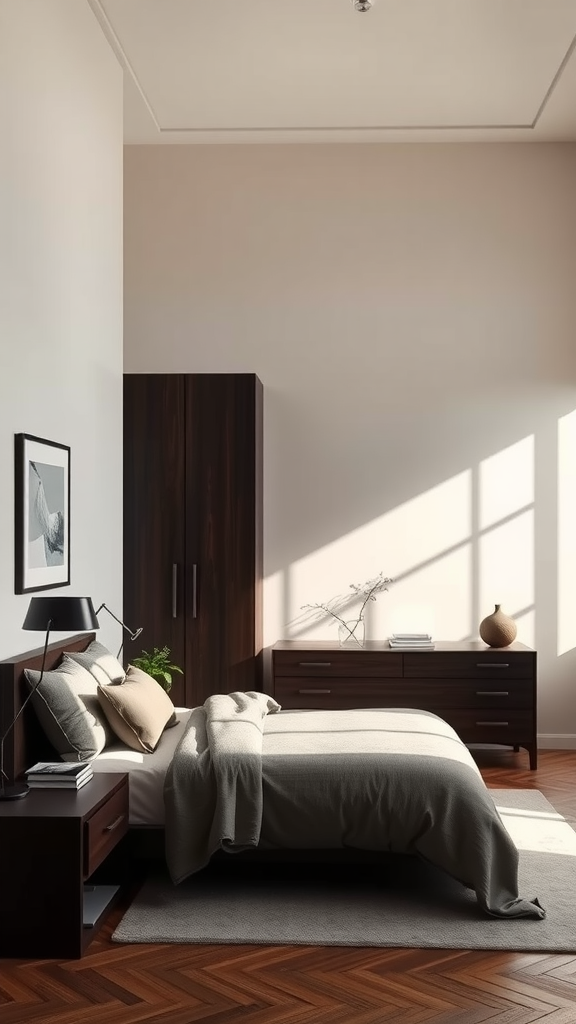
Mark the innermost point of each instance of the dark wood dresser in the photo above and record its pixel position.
(488, 695)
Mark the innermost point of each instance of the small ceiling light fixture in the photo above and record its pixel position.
(362, 5)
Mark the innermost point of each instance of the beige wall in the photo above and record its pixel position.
(411, 311)
(61, 285)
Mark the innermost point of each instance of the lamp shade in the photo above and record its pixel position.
(60, 613)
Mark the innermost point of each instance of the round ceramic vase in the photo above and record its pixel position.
(498, 629)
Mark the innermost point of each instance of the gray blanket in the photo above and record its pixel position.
(247, 774)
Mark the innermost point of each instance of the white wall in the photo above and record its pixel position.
(411, 311)
(61, 286)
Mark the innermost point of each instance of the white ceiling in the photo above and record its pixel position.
(201, 71)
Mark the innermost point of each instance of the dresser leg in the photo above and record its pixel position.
(533, 751)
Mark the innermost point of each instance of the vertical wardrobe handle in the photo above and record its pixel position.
(194, 591)
(174, 590)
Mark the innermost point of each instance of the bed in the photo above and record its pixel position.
(27, 743)
(240, 775)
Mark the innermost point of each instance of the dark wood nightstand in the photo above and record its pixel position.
(51, 843)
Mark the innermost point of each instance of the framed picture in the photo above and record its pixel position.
(42, 514)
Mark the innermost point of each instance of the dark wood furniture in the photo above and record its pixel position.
(193, 526)
(487, 695)
(27, 743)
(52, 843)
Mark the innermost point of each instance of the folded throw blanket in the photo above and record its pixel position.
(213, 788)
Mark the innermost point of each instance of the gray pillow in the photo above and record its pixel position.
(100, 662)
(66, 704)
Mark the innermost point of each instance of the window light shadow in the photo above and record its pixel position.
(539, 831)
(477, 550)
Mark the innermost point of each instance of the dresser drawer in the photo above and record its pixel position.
(337, 693)
(427, 694)
(359, 664)
(467, 693)
(473, 726)
(105, 828)
(490, 666)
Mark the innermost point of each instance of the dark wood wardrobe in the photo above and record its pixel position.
(193, 526)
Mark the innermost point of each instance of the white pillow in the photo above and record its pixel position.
(99, 661)
(66, 704)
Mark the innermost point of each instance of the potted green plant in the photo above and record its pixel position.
(158, 665)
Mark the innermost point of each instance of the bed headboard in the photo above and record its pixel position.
(27, 742)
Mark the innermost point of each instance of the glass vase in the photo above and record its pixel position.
(351, 634)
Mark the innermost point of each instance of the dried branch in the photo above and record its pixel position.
(367, 591)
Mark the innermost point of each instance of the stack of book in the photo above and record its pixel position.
(411, 642)
(59, 775)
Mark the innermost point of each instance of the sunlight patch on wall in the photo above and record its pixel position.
(506, 535)
(506, 566)
(435, 599)
(423, 544)
(566, 639)
(526, 623)
(506, 482)
(454, 552)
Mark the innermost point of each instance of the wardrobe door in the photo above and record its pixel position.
(223, 533)
(154, 516)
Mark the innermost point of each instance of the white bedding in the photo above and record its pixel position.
(147, 772)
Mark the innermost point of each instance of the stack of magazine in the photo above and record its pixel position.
(411, 642)
(59, 775)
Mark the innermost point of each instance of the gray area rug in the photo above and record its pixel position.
(395, 901)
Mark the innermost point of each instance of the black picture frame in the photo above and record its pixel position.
(41, 514)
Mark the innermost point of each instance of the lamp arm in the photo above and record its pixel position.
(23, 705)
(134, 633)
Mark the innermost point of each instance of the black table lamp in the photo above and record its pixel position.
(133, 633)
(50, 614)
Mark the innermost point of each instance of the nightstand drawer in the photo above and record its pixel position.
(340, 662)
(490, 666)
(105, 828)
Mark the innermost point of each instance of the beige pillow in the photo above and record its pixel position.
(138, 709)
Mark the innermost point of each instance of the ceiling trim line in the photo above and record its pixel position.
(554, 82)
(358, 128)
(113, 39)
(111, 36)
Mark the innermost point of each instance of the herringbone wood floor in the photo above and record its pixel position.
(168, 984)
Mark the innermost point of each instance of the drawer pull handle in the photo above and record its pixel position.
(314, 664)
(314, 691)
(114, 824)
(493, 723)
(492, 693)
(492, 664)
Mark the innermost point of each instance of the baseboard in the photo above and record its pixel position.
(556, 741)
